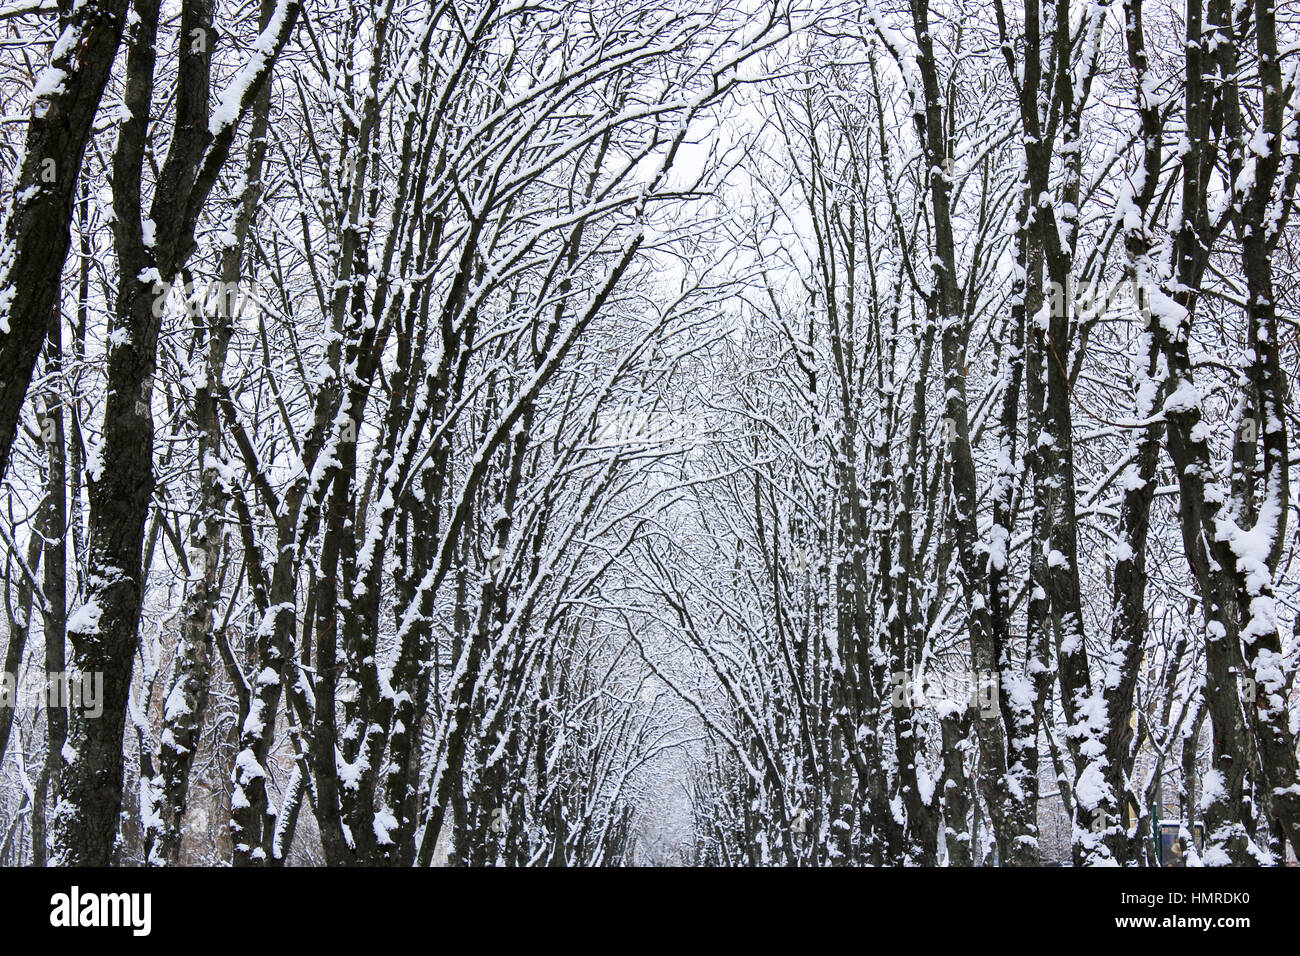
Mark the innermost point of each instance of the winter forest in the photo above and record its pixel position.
(649, 432)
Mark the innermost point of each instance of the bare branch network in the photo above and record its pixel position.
(610, 432)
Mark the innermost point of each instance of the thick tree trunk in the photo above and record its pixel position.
(38, 214)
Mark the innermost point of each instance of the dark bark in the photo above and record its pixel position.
(39, 211)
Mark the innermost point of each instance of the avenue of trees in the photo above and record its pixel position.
(571, 432)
